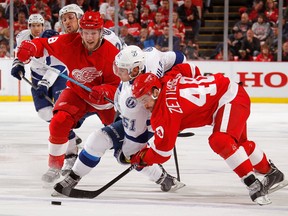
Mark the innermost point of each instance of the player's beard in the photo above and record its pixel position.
(91, 46)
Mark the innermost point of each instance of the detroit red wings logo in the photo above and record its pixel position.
(86, 75)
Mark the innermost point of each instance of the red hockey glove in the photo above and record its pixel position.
(137, 158)
(98, 94)
(26, 50)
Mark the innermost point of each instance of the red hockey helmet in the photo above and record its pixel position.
(144, 83)
(91, 20)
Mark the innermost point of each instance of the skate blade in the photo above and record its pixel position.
(264, 200)
(280, 185)
(177, 186)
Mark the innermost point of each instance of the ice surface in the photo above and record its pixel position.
(211, 187)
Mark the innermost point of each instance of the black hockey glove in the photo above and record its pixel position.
(18, 69)
(42, 89)
(49, 33)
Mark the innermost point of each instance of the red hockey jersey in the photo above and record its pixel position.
(89, 68)
(185, 102)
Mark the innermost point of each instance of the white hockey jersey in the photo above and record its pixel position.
(38, 68)
(135, 118)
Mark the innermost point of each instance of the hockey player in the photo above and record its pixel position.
(132, 133)
(69, 20)
(178, 102)
(89, 59)
(47, 82)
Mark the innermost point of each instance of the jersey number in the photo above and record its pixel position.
(197, 95)
(129, 124)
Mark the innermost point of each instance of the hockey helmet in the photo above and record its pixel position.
(35, 18)
(91, 20)
(144, 83)
(129, 58)
(71, 8)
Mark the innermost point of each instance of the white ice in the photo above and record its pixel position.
(211, 187)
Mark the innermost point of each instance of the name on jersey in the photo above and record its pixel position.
(171, 96)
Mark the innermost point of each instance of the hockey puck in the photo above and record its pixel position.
(56, 203)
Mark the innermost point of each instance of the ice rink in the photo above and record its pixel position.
(211, 187)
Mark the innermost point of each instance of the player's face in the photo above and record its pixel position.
(91, 38)
(124, 74)
(36, 29)
(147, 101)
(70, 22)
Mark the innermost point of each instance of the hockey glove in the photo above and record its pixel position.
(26, 50)
(42, 89)
(49, 33)
(121, 157)
(17, 70)
(98, 94)
(137, 158)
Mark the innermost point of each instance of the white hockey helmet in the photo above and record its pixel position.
(35, 18)
(129, 58)
(71, 8)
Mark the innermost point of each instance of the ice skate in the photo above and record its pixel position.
(69, 182)
(51, 175)
(274, 180)
(256, 191)
(168, 182)
(68, 163)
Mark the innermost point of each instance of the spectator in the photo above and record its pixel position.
(164, 10)
(17, 7)
(284, 52)
(126, 37)
(251, 44)
(265, 54)
(261, 29)
(156, 27)
(272, 41)
(144, 40)
(244, 24)
(21, 24)
(127, 8)
(3, 20)
(178, 27)
(188, 13)
(103, 9)
(133, 26)
(271, 12)
(235, 41)
(39, 7)
(83, 5)
(257, 8)
(191, 50)
(162, 43)
(147, 16)
(153, 5)
(4, 50)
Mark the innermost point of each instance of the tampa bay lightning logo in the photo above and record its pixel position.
(131, 102)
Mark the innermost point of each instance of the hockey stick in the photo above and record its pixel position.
(176, 163)
(35, 88)
(66, 77)
(78, 193)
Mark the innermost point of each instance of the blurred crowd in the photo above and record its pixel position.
(255, 36)
(146, 23)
